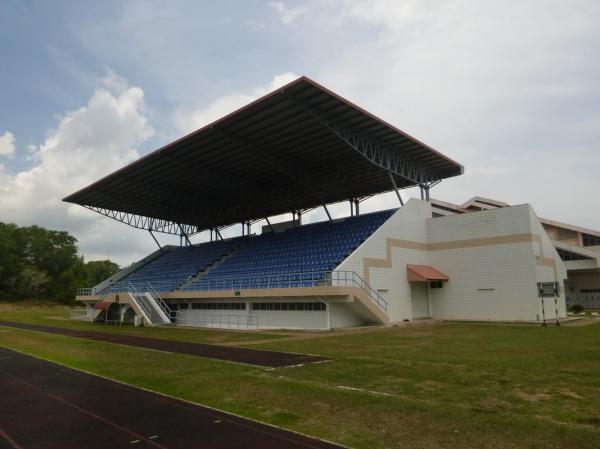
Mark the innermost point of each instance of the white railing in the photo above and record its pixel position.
(85, 292)
(161, 303)
(82, 314)
(284, 280)
(140, 298)
(291, 280)
(192, 318)
(115, 287)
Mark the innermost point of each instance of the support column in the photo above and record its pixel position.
(270, 225)
(152, 234)
(396, 189)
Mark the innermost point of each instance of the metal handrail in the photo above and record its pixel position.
(134, 293)
(375, 297)
(85, 292)
(290, 280)
(161, 303)
(282, 280)
(81, 314)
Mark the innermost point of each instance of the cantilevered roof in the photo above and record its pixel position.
(298, 147)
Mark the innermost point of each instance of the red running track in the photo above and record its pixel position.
(47, 406)
(241, 355)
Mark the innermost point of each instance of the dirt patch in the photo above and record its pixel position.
(532, 397)
(491, 405)
(569, 393)
(582, 321)
(430, 385)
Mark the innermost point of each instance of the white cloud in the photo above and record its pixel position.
(503, 88)
(287, 15)
(7, 144)
(189, 120)
(114, 82)
(87, 144)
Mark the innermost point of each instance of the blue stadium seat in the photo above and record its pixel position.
(297, 257)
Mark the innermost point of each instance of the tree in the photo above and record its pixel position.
(99, 270)
(41, 263)
(11, 263)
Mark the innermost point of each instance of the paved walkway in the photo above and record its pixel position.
(48, 406)
(241, 355)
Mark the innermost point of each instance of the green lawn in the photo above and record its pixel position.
(424, 386)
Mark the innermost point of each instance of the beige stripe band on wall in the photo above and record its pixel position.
(371, 262)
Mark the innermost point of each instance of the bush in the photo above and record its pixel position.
(576, 308)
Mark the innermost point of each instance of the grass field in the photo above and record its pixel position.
(422, 386)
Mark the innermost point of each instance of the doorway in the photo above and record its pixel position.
(420, 300)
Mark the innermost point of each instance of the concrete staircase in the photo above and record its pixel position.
(200, 274)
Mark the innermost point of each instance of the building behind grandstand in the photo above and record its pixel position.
(578, 248)
(299, 148)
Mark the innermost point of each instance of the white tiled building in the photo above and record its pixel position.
(578, 247)
(494, 261)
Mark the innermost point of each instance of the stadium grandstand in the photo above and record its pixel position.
(296, 149)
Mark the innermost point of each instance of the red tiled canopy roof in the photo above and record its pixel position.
(424, 273)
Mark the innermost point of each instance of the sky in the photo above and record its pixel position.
(509, 89)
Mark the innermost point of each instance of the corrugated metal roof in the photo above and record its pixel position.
(267, 158)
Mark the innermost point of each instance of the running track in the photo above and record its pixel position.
(241, 355)
(47, 406)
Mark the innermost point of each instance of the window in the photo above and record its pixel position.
(590, 290)
(436, 284)
(567, 255)
(219, 306)
(182, 306)
(305, 306)
(590, 240)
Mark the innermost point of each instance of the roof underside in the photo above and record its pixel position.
(296, 148)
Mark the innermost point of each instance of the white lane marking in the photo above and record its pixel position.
(381, 393)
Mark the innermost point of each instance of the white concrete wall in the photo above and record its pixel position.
(271, 319)
(487, 282)
(493, 258)
(291, 319)
(342, 316)
(549, 268)
(408, 223)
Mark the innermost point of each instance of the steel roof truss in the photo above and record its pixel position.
(377, 152)
(150, 224)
